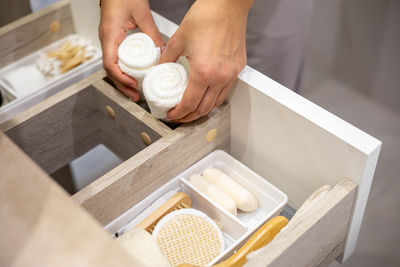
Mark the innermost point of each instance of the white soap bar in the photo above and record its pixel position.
(214, 193)
(245, 201)
(136, 55)
(163, 87)
(143, 249)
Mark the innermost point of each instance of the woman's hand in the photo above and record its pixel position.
(212, 36)
(117, 17)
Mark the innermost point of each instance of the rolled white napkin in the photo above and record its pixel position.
(136, 55)
(24, 80)
(163, 87)
(143, 248)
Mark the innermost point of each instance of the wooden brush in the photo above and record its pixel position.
(179, 201)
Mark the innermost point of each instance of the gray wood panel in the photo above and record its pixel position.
(59, 134)
(124, 186)
(32, 32)
(41, 226)
(123, 133)
(11, 10)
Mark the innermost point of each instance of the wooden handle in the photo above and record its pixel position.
(262, 237)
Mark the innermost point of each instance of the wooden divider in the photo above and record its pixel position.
(68, 124)
(121, 188)
(41, 226)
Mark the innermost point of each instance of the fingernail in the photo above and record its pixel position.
(163, 48)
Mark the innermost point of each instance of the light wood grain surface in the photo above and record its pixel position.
(134, 109)
(32, 32)
(75, 121)
(122, 134)
(59, 134)
(66, 125)
(51, 101)
(121, 188)
(41, 226)
(59, 129)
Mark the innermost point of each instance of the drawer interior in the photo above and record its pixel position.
(273, 131)
(92, 112)
(236, 229)
(78, 116)
(75, 124)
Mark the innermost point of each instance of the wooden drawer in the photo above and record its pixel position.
(73, 121)
(293, 143)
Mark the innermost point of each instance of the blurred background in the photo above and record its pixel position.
(351, 67)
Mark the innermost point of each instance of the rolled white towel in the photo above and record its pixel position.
(24, 80)
(163, 87)
(136, 55)
(143, 249)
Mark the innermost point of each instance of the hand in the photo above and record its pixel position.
(212, 36)
(117, 17)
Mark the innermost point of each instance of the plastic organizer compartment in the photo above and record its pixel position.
(18, 102)
(236, 230)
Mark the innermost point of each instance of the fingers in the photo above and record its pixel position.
(110, 42)
(224, 93)
(206, 90)
(213, 97)
(190, 100)
(148, 26)
(116, 18)
(205, 106)
(127, 91)
(173, 50)
(116, 73)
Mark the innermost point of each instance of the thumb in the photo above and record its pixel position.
(173, 50)
(150, 28)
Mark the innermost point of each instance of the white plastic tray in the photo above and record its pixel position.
(51, 87)
(236, 230)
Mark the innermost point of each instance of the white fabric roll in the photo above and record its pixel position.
(136, 55)
(163, 87)
(24, 80)
(143, 249)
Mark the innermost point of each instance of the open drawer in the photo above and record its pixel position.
(293, 143)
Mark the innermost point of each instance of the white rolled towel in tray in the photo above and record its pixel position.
(136, 55)
(24, 80)
(163, 87)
